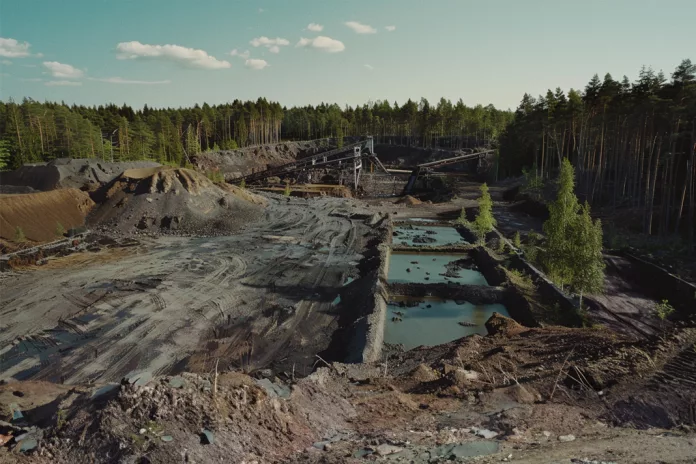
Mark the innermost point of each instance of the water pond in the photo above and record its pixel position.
(434, 322)
(419, 236)
(430, 267)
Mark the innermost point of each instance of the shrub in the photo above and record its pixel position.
(287, 189)
(663, 310)
(461, 220)
(60, 230)
(242, 184)
(19, 235)
(484, 222)
(516, 240)
(215, 176)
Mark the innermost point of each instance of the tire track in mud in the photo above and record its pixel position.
(203, 291)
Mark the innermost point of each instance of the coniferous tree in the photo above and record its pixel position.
(585, 254)
(484, 221)
(562, 214)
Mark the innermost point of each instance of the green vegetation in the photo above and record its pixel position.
(19, 236)
(32, 131)
(5, 155)
(632, 144)
(339, 136)
(215, 176)
(573, 254)
(501, 246)
(242, 184)
(462, 220)
(287, 189)
(533, 182)
(60, 230)
(662, 311)
(60, 419)
(562, 213)
(520, 280)
(484, 222)
(516, 240)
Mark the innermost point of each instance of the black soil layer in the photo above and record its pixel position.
(171, 201)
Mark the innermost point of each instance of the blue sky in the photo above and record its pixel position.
(99, 51)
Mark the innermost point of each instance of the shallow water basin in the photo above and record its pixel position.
(430, 267)
(434, 321)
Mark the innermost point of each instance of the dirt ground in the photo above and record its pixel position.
(38, 214)
(514, 395)
(264, 296)
(81, 338)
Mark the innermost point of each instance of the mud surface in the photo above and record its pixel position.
(263, 297)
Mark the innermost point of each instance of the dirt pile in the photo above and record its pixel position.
(187, 418)
(408, 200)
(38, 214)
(544, 395)
(235, 163)
(85, 174)
(164, 199)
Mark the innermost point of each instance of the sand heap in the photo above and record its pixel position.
(39, 214)
(165, 199)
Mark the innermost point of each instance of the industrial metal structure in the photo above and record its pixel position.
(427, 168)
(349, 157)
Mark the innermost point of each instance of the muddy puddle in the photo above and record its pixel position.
(434, 268)
(435, 321)
(418, 236)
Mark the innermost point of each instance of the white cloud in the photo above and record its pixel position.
(12, 48)
(190, 57)
(62, 83)
(261, 10)
(120, 80)
(390, 28)
(315, 27)
(359, 28)
(273, 45)
(256, 64)
(6, 62)
(245, 54)
(323, 43)
(368, 66)
(62, 70)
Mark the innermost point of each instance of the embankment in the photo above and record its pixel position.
(38, 214)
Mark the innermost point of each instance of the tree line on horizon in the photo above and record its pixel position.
(631, 144)
(32, 131)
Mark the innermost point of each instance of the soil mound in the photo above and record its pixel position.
(164, 199)
(230, 418)
(85, 174)
(409, 200)
(38, 214)
(501, 325)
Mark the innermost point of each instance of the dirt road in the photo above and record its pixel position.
(180, 303)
